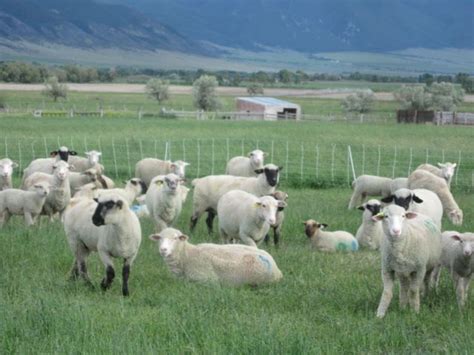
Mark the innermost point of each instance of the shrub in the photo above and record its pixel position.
(361, 101)
(54, 89)
(204, 93)
(158, 89)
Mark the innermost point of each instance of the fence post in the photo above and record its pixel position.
(378, 161)
(169, 150)
(457, 168)
(394, 162)
(46, 153)
(198, 158)
(363, 159)
(317, 161)
(184, 151)
(287, 160)
(72, 144)
(85, 144)
(273, 146)
(302, 161)
(410, 162)
(351, 160)
(212, 157)
(128, 158)
(166, 151)
(19, 157)
(115, 158)
(332, 161)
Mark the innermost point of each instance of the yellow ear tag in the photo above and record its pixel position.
(380, 214)
(158, 182)
(257, 204)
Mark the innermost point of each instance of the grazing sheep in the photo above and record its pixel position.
(60, 192)
(6, 171)
(458, 257)
(370, 232)
(146, 169)
(369, 185)
(445, 171)
(422, 201)
(280, 216)
(421, 179)
(246, 166)
(20, 202)
(164, 201)
(108, 227)
(329, 241)
(133, 188)
(230, 264)
(411, 249)
(208, 190)
(82, 164)
(246, 217)
(45, 165)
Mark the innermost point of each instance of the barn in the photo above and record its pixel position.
(266, 108)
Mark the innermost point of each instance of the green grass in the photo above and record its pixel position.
(326, 303)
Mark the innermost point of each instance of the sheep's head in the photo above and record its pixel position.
(179, 167)
(272, 173)
(466, 242)
(311, 227)
(41, 188)
(171, 182)
(373, 206)
(267, 208)
(256, 158)
(447, 169)
(137, 185)
(6, 167)
(62, 153)
(91, 174)
(93, 156)
(393, 218)
(108, 210)
(169, 240)
(403, 198)
(280, 196)
(61, 169)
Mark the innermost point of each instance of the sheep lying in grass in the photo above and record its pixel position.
(246, 166)
(370, 232)
(421, 179)
(108, 227)
(6, 171)
(19, 202)
(329, 241)
(458, 257)
(280, 216)
(411, 249)
(208, 190)
(444, 170)
(246, 217)
(146, 169)
(230, 264)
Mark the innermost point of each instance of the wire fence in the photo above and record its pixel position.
(304, 163)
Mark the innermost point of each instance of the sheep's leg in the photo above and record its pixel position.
(5, 219)
(404, 285)
(159, 225)
(125, 275)
(267, 238)
(74, 271)
(436, 276)
(276, 235)
(388, 278)
(109, 270)
(416, 282)
(194, 219)
(224, 236)
(247, 240)
(428, 282)
(460, 290)
(211, 214)
(79, 265)
(28, 219)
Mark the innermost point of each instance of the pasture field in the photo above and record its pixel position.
(326, 303)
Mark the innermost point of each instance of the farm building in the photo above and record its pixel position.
(266, 108)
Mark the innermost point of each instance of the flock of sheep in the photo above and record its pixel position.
(405, 224)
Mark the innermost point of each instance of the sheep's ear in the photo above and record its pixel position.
(249, 154)
(183, 237)
(455, 164)
(304, 222)
(258, 204)
(361, 208)
(281, 205)
(258, 171)
(154, 237)
(96, 199)
(72, 152)
(71, 167)
(119, 204)
(14, 165)
(99, 153)
(265, 154)
(456, 237)
(158, 182)
(441, 165)
(173, 165)
(417, 199)
(388, 199)
(378, 217)
(53, 153)
(87, 153)
(411, 215)
(186, 164)
(280, 168)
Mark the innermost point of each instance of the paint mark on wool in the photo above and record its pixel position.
(265, 261)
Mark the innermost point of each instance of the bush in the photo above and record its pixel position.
(54, 89)
(361, 101)
(413, 98)
(255, 89)
(204, 93)
(158, 89)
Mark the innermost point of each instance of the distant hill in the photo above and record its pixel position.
(88, 24)
(319, 25)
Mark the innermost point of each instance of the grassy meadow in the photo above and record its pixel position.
(325, 303)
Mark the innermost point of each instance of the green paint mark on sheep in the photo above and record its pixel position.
(266, 262)
(341, 246)
(431, 226)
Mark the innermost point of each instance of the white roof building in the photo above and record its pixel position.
(266, 108)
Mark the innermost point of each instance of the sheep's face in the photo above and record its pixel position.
(62, 153)
(402, 198)
(272, 174)
(108, 210)
(138, 185)
(447, 169)
(178, 168)
(41, 189)
(267, 208)
(6, 168)
(169, 240)
(393, 218)
(91, 175)
(172, 182)
(93, 156)
(466, 242)
(280, 196)
(61, 170)
(256, 158)
(456, 216)
(311, 227)
(373, 206)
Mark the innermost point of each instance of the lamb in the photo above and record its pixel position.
(246, 166)
(76, 180)
(230, 264)
(280, 216)
(444, 171)
(92, 161)
(133, 188)
(26, 203)
(370, 232)
(164, 201)
(369, 185)
(411, 249)
(421, 179)
(421, 201)
(208, 190)
(60, 192)
(329, 241)
(457, 256)
(6, 171)
(108, 227)
(398, 183)
(45, 165)
(246, 217)
(146, 169)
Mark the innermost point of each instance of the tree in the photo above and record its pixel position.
(204, 93)
(466, 81)
(361, 101)
(413, 98)
(426, 78)
(255, 89)
(158, 89)
(54, 89)
(445, 96)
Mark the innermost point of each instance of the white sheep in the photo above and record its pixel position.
(230, 264)
(246, 166)
(280, 216)
(146, 169)
(422, 201)
(20, 202)
(398, 183)
(60, 192)
(164, 200)
(133, 188)
(245, 217)
(422, 179)
(370, 232)
(91, 161)
(108, 227)
(329, 241)
(458, 257)
(78, 179)
(369, 185)
(411, 249)
(444, 170)
(6, 171)
(208, 190)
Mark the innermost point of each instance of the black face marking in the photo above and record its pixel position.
(143, 185)
(403, 201)
(374, 209)
(63, 155)
(258, 171)
(388, 199)
(417, 199)
(101, 210)
(272, 176)
(134, 182)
